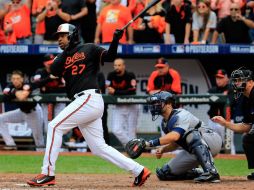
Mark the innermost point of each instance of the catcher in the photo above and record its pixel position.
(198, 142)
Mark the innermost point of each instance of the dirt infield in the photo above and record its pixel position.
(120, 181)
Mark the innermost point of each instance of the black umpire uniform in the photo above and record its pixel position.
(248, 139)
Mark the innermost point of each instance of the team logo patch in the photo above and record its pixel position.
(76, 57)
(59, 28)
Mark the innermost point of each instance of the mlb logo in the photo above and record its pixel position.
(178, 48)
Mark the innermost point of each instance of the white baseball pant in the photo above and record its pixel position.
(184, 161)
(124, 122)
(33, 120)
(85, 112)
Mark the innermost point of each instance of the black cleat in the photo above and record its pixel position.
(42, 180)
(250, 176)
(208, 177)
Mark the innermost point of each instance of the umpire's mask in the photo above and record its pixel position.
(239, 79)
(156, 101)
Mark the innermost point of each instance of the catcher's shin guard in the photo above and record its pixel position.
(198, 147)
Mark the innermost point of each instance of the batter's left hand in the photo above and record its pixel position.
(118, 34)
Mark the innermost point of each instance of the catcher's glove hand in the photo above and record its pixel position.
(135, 147)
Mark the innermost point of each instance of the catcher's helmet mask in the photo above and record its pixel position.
(239, 78)
(157, 102)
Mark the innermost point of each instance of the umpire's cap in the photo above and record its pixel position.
(65, 28)
(48, 59)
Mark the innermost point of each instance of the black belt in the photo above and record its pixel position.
(97, 91)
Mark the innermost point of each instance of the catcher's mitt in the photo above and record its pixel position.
(135, 147)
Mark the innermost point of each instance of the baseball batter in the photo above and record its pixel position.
(79, 64)
(182, 129)
(30, 113)
(124, 117)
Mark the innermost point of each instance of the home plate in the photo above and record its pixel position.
(22, 185)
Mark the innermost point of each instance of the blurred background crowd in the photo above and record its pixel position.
(168, 22)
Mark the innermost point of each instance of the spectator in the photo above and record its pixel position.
(234, 27)
(4, 8)
(243, 84)
(151, 26)
(113, 16)
(250, 13)
(222, 87)
(76, 10)
(37, 7)
(204, 21)
(164, 78)
(53, 16)
(88, 25)
(122, 82)
(17, 23)
(136, 6)
(222, 7)
(178, 23)
(28, 112)
(49, 84)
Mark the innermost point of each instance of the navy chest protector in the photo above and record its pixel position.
(168, 126)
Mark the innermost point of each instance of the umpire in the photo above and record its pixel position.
(243, 84)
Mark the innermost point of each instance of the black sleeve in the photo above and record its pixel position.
(220, 26)
(110, 54)
(188, 14)
(57, 67)
(101, 82)
(82, 4)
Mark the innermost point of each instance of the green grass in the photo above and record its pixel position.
(93, 164)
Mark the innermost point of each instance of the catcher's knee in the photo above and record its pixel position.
(165, 174)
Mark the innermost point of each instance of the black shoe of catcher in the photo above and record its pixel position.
(250, 176)
(208, 177)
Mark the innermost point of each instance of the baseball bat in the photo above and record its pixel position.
(154, 2)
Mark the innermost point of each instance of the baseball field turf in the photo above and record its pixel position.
(89, 164)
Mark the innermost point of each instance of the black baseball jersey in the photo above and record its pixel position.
(248, 108)
(46, 84)
(79, 67)
(218, 108)
(123, 85)
(9, 94)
